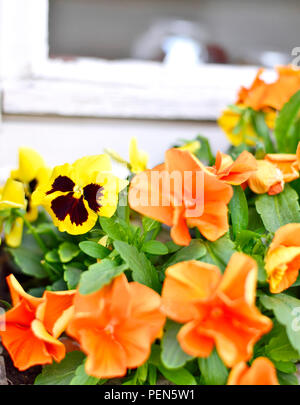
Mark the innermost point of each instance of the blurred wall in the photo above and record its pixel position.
(107, 28)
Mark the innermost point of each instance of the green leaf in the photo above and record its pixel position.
(99, 275)
(113, 229)
(204, 153)
(239, 210)
(142, 269)
(284, 124)
(278, 210)
(52, 256)
(67, 251)
(287, 379)
(150, 224)
(179, 376)
(60, 373)
(72, 277)
(195, 250)
(285, 309)
(280, 349)
(262, 130)
(94, 249)
(82, 378)
(213, 370)
(285, 366)
(219, 252)
(28, 258)
(172, 356)
(155, 247)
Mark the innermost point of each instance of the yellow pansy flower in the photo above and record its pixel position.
(13, 196)
(32, 171)
(230, 119)
(76, 194)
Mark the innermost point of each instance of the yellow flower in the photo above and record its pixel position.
(242, 132)
(138, 159)
(76, 194)
(13, 196)
(191, 146)
(32, 171)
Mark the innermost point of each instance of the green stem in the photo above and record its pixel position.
(36, 236)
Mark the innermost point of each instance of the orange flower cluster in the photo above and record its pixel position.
(262, 96)
(216, 193)
(216, 310)
(114, 326)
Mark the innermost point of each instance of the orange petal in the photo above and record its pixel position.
(146, 307)
(185, 284)
(149, 200)
(261, 372)
(17, 293)
(239, 279)
(25, 349)
(214, 222)
(286, 163)
(267, 178)
(287, 235)
(120, 298)
(180, 232)
(106, 357)
(193, 343)
(241, 169)
(53, 308)
(54, 347)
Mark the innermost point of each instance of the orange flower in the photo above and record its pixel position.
(261, 372)
(267, 179)
(116, 326)
(286, 163)
(262, 95)
(282, 261)
(33, 325)
(217, 310)
(234, 172)
(181, 203)
(298, 155)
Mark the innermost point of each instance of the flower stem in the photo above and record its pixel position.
(36, 236)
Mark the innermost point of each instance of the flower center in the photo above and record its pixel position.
(217, 312)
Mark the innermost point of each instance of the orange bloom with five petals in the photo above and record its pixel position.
(116, 326)
(216, 310)
(261, 372)
(33, 325)
(177, 203)
(282, 261)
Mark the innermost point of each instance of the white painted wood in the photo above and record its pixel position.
(133, 90)
(35, 84)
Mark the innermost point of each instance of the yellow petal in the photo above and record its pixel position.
(13, 195)
(191, 146)
(87, 166)
(138, 159)
(266, 177)
(14, 237)
(30, 162)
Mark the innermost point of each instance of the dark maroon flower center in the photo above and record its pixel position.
(74, 207)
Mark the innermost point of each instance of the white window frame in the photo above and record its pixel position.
(34, 84)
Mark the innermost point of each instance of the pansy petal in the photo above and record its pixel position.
(239, 279)
(106, 356)
(194, 344)
(185, 284)
(18, 294)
